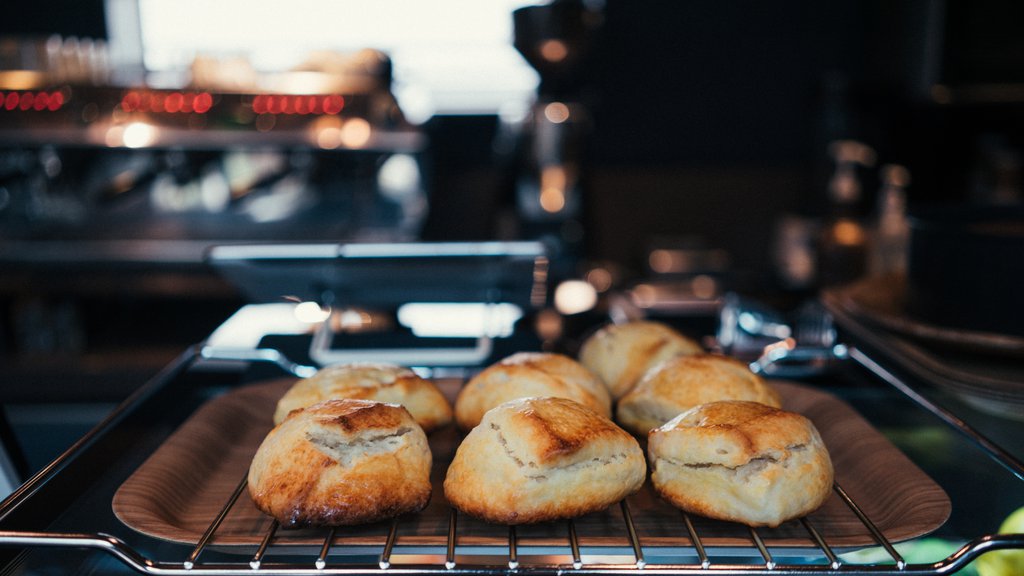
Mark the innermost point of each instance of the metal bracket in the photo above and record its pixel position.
(320, 351)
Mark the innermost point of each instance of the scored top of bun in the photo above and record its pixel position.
(680, 383)
(541, 459)
(741, 461)
(526, 374)
(620, 354)
(370, 381)
(342, 462)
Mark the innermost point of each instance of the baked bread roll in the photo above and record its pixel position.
(741, 461)
(342, 462)
(540, 459)
(530, 374)
(680, 383)
(370, 381)
(620, 354)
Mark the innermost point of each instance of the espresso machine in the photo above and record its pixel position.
(557, 40)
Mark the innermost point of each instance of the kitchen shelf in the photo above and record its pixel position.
(388, 140)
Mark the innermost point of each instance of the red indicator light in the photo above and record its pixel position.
(259, 104)
(174, 102)
(42, 101)
(333, 104)
(11, 102)
(56, 101)
(26, 101)
(131, 102)
(301, 105)
(203, 103)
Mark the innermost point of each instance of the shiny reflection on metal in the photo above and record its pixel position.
(321, 559)
(634, 540)
(513, 555)
(1001, 456)
(574, 546)
(449, 561)
(705, 563)
(389, 545)
(321, 352)
(787, 360)
(268, 355)
(257, 558)
(757, 324)
(538, 291)
(833, 561)
(205, 539)
(769, 563)
(875, 532)
(132, 559)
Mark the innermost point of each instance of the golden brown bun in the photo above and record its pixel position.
(370, 381)
(680, 383)
(342, 462)
(541, 459)
(741, 461)
(529, 374)
(620, 354)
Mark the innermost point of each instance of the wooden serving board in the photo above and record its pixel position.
(180, 489)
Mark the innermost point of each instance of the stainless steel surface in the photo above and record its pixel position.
(388, 274)
(786, 360)
(238, 354)
(324, 354)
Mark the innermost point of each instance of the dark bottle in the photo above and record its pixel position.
(843, 244)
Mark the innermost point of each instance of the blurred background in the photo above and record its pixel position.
(666, 153)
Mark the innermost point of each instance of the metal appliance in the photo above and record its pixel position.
(72, 516)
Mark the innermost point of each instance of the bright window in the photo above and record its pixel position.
(450, 56)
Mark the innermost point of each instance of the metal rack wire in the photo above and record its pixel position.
(451, 564)
(275, 555)
(262, 561)
(456, 559)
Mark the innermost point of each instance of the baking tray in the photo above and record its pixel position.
(176, 493)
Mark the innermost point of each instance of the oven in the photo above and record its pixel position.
(187, 241)
(923, 471)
